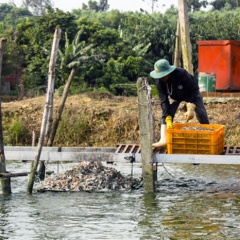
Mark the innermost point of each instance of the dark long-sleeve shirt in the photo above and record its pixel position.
(181, 86)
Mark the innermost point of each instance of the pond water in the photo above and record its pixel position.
(191, 202)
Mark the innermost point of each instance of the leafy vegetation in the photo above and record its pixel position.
(17, 132)
(128, 43)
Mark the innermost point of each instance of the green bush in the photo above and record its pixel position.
(100, 93)
(124, 89)
(154, 91)
(75, 88)
(74, 130)
(129, 90)
(17, 133)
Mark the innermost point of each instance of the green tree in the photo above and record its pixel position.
(112, 74)
(100, 6)
(107, 41)
(10, 16)
(157, 31)
(130, 42)
(36, 41)
(16, 16)
(4, 10)
(13, 55)
(37, 7)
(196, 5)
(109, 19)
(228, 4)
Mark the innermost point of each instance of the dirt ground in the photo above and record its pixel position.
(114, 120)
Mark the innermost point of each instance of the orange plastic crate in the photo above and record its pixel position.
(195, 141)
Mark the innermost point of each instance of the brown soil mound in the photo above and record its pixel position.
(108, 121)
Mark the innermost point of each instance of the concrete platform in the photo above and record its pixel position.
(71, 154)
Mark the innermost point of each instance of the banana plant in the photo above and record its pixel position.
(76, 54)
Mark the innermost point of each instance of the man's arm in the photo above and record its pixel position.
(164, 100)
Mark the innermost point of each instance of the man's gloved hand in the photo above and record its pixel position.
(169, 122)
(190, 111)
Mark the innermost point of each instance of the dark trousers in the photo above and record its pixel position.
(200, 110)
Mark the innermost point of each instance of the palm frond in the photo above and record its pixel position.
(84, 59)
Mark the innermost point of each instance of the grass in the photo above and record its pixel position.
(102, 122)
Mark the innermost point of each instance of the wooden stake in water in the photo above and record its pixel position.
(146, 132)
(5, 181)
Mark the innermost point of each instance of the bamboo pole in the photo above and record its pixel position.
(146, 133)
(48, 106)
(51, 77)
(185, 36)
(5, 182)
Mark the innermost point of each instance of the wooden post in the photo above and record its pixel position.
(6, 182)
(145, 116)
(2, 43)
(21, 91)
(33, 138)
(48, 106)
(185, 36)
(178, 48)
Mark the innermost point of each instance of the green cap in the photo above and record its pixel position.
(161, 69)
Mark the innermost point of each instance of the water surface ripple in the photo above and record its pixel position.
(190, 202)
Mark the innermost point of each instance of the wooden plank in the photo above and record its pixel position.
(7, 175)
(21, 174)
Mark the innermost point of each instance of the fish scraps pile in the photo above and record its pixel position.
(91, 177)
(197, 128)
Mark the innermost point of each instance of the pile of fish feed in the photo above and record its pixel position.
(91, 177)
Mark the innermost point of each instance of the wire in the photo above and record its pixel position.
(168, 171)
(154, 158)
(142, 104)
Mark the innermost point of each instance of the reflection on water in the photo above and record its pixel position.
(191, 202)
